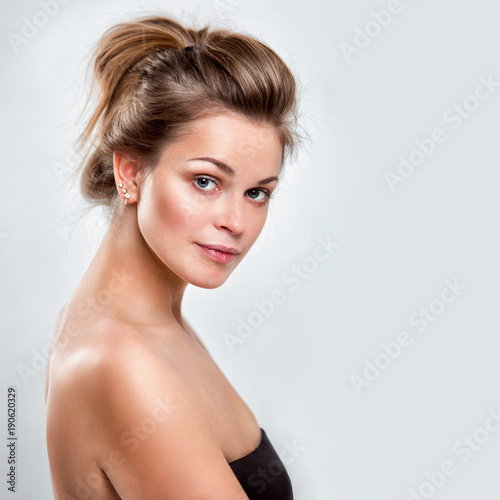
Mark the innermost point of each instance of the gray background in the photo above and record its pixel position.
(395, 248)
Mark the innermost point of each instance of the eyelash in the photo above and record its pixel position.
(265, 191)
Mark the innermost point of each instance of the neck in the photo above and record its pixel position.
(143, 289)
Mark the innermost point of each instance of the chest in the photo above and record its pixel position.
(230, 419)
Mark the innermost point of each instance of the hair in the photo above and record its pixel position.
(155, 76)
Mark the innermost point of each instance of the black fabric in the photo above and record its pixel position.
(262, 474)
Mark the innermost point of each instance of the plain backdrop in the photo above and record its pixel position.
(379, 366)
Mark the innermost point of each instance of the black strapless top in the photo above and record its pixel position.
(262, 474)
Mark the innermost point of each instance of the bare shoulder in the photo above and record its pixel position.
(128, 370)
(154, 441)
(57, 328)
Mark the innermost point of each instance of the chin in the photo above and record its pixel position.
(209, 282)
(208, 274)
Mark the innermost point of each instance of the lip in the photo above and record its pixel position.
(219, 253)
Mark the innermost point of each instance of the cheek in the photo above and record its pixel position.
(165, 211)
(174, 211)
(256, 224)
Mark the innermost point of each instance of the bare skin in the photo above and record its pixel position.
(136, 406)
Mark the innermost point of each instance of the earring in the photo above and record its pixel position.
(124, 190)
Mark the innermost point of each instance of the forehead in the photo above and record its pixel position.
(232, 138)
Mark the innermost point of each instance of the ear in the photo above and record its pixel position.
(126, 170)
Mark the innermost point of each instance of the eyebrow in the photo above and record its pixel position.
(228, 170)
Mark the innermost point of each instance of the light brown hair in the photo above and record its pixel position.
(155, 76)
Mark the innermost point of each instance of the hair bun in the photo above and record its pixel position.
(148, 91)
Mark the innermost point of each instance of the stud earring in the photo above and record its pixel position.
(124, 190)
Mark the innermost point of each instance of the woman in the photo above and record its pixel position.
(185, 147)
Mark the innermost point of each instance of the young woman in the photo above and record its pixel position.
(185, 147)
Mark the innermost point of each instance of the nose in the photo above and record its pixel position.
(231, 215)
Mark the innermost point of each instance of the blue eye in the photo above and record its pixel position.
(259, 195)
(203, 183)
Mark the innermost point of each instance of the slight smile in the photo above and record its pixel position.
(219, 253)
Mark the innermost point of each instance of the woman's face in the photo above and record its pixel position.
(204, 205)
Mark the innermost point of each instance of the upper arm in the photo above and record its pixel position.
(155, 442)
